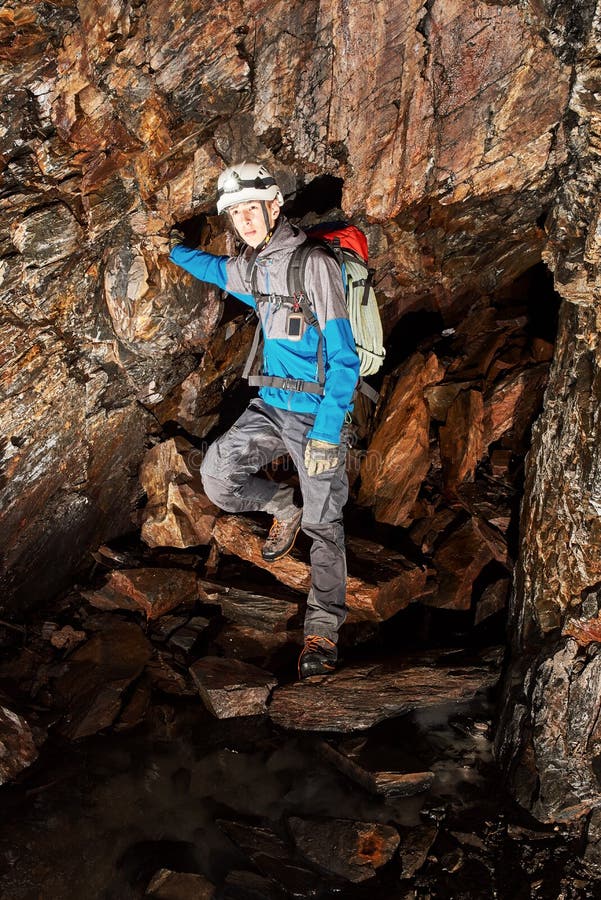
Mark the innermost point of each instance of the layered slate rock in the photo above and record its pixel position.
(358, 697)
(153, 591)
(396, 582)
(231, 688)
(274, 857)
(351, 850)
(17, 744)
(398, 456)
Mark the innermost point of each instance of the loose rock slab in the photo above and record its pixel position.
(359, 697)
(353, 850)
(168, 885)
(154, 591)
(231, 688)
(17, 746)
(395, 583)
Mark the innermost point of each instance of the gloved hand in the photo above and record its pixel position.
(176, 237)
(320, 456)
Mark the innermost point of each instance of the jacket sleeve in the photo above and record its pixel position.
(223, 271)
(323, 283)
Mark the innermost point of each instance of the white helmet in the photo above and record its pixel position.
(246, 181)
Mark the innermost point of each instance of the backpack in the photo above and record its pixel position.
(347, 244)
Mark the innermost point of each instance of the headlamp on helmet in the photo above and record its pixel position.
(244, 182)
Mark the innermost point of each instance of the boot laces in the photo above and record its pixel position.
(315, 642)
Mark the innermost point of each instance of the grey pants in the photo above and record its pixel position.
(261, 434)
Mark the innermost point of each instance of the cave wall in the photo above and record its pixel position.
(445, 120)
(550, 737)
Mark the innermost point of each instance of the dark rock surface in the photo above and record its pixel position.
(358, 697)
(231, 688)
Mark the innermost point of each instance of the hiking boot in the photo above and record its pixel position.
(318, 657)
(281, 537)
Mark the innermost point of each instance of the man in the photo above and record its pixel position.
(295, 412)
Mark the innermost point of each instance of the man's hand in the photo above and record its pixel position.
(320, 456)
(176, 237)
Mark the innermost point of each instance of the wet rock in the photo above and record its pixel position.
(388, 784)
(400, 584)
(17, 745)
(398, 458)
(178, 512)
(231, 688)
(357, 697)
(242, 885)
(415, 846)
(167, 885)
(152, 591)
(351, 850)
(94, 677)
(402, 784)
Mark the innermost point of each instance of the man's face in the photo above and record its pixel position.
(249, 222)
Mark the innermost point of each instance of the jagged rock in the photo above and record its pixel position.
(397, 459)
(152, 591)
(195, 403)
(185, 637)
(415, 846)
(178, 512)
(564, 705)
(493, 600)
(231, 688)
(511, 405)
(402, 784)
(351, 850)
(166, 625)
(461, 439)
(249, 609)
(460, 559)
(401, 583)
(357, 697)
(94, 677)
(165, 676)
(167, 885)
(17, 745)
(274, 858)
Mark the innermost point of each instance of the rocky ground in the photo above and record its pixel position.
(171, 753)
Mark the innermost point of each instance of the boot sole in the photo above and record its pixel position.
(284, 552)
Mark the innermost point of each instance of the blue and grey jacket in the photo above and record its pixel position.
(297, 357)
